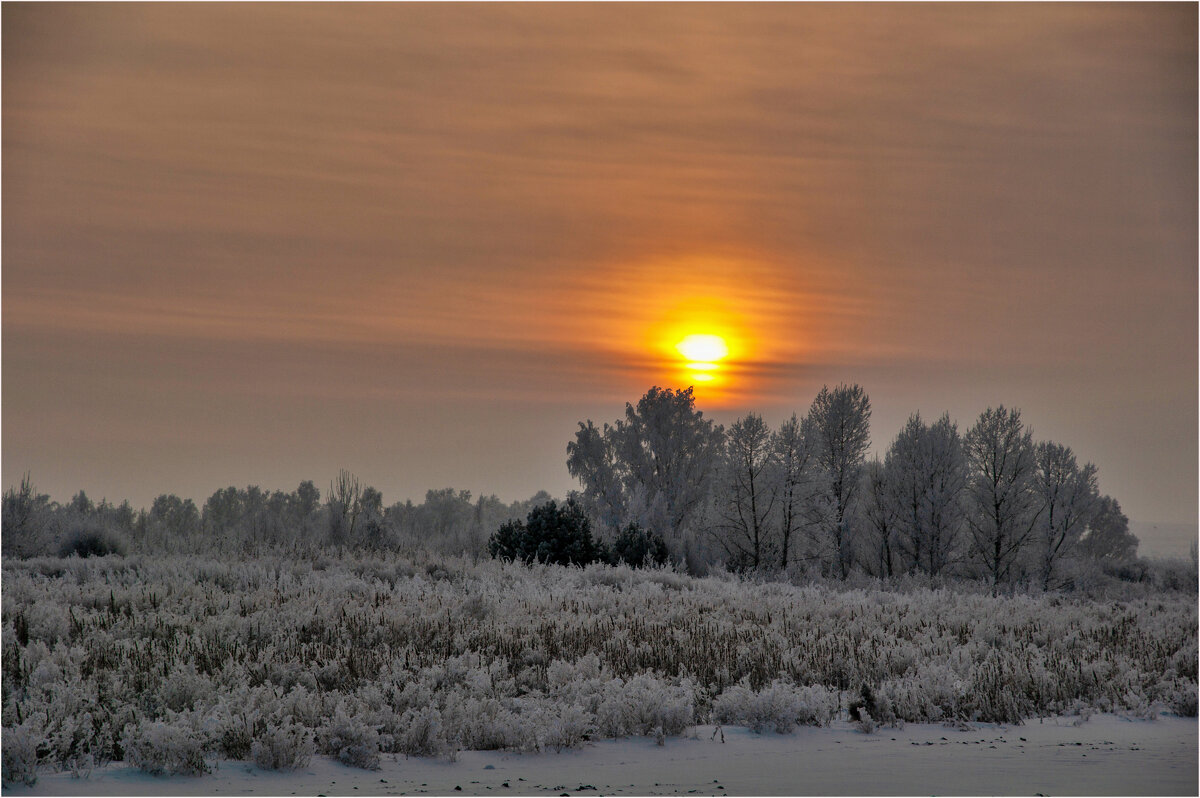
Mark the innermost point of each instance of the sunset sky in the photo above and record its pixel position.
(254, 244)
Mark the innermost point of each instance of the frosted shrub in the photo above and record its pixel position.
(350, 740)
(643, 705)
(285, 747)
(1182, 699)
(570, 728)
(419, 733)
(487, 725)
(817, 705)
(20, 744)
(183, 688)
(933, 693)
(235, 742)
(260, 653)
(780, 706)
(162, 750)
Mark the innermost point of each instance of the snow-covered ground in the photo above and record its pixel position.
(1107, 755)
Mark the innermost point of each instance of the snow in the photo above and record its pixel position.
(1106, 755)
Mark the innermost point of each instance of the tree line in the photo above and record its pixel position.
(991, 503)
(664, 482)
(350, 515)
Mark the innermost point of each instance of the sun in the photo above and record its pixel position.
(703, 348)
(702, 351)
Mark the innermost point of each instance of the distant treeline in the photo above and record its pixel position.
(251, 520)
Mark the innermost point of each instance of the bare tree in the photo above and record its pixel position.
(748, 495)
(345, 505)
(792, 448)
(1003, 507)
(1069, 497)
(841, 420)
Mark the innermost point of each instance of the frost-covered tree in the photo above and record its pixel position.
(654, 467)
(792, 449)
(345, 505)
(1003, 505)
(841, 421)
(880, 509)
(592, 459)
(172, 521)
(925, 475)
(1107, 537)
(747, 493)
(1069, 497)
(23, 516)
(307, 499)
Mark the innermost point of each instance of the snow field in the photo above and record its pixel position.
(1107, 755)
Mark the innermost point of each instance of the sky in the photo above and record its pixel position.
(254, 244)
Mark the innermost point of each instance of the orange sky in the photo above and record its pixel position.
(256, 243)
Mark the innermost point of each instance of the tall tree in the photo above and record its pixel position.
(841, 420)
(747, 493)
(654, 467)
(1003, 506)
(345, 505)
(792, 448)
(880, 513)
(592, 459)
(926, 473)
(1069, 497)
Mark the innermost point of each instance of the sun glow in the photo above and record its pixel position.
(703, 349)
(702, 321)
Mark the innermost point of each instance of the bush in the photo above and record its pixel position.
(636, 547)
(162, 750)
(550, 534)
(91, 538)
(644, 705)
(571, 726)
(780, 706)
(235, 742)
(284, 747)
(20, 753)
(421, 733)
(353, 742)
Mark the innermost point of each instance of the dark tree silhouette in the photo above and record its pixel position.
(550, 534)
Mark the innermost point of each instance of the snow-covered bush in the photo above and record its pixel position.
(163, 750)
(284, 747)
(780, 706)
(488, 725)
(352, 741)
(183, 688)
(419, 732)
(644, 705)
(570, 727)
(255, 656)
(20, 756)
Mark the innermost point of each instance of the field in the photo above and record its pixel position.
(171, 664)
